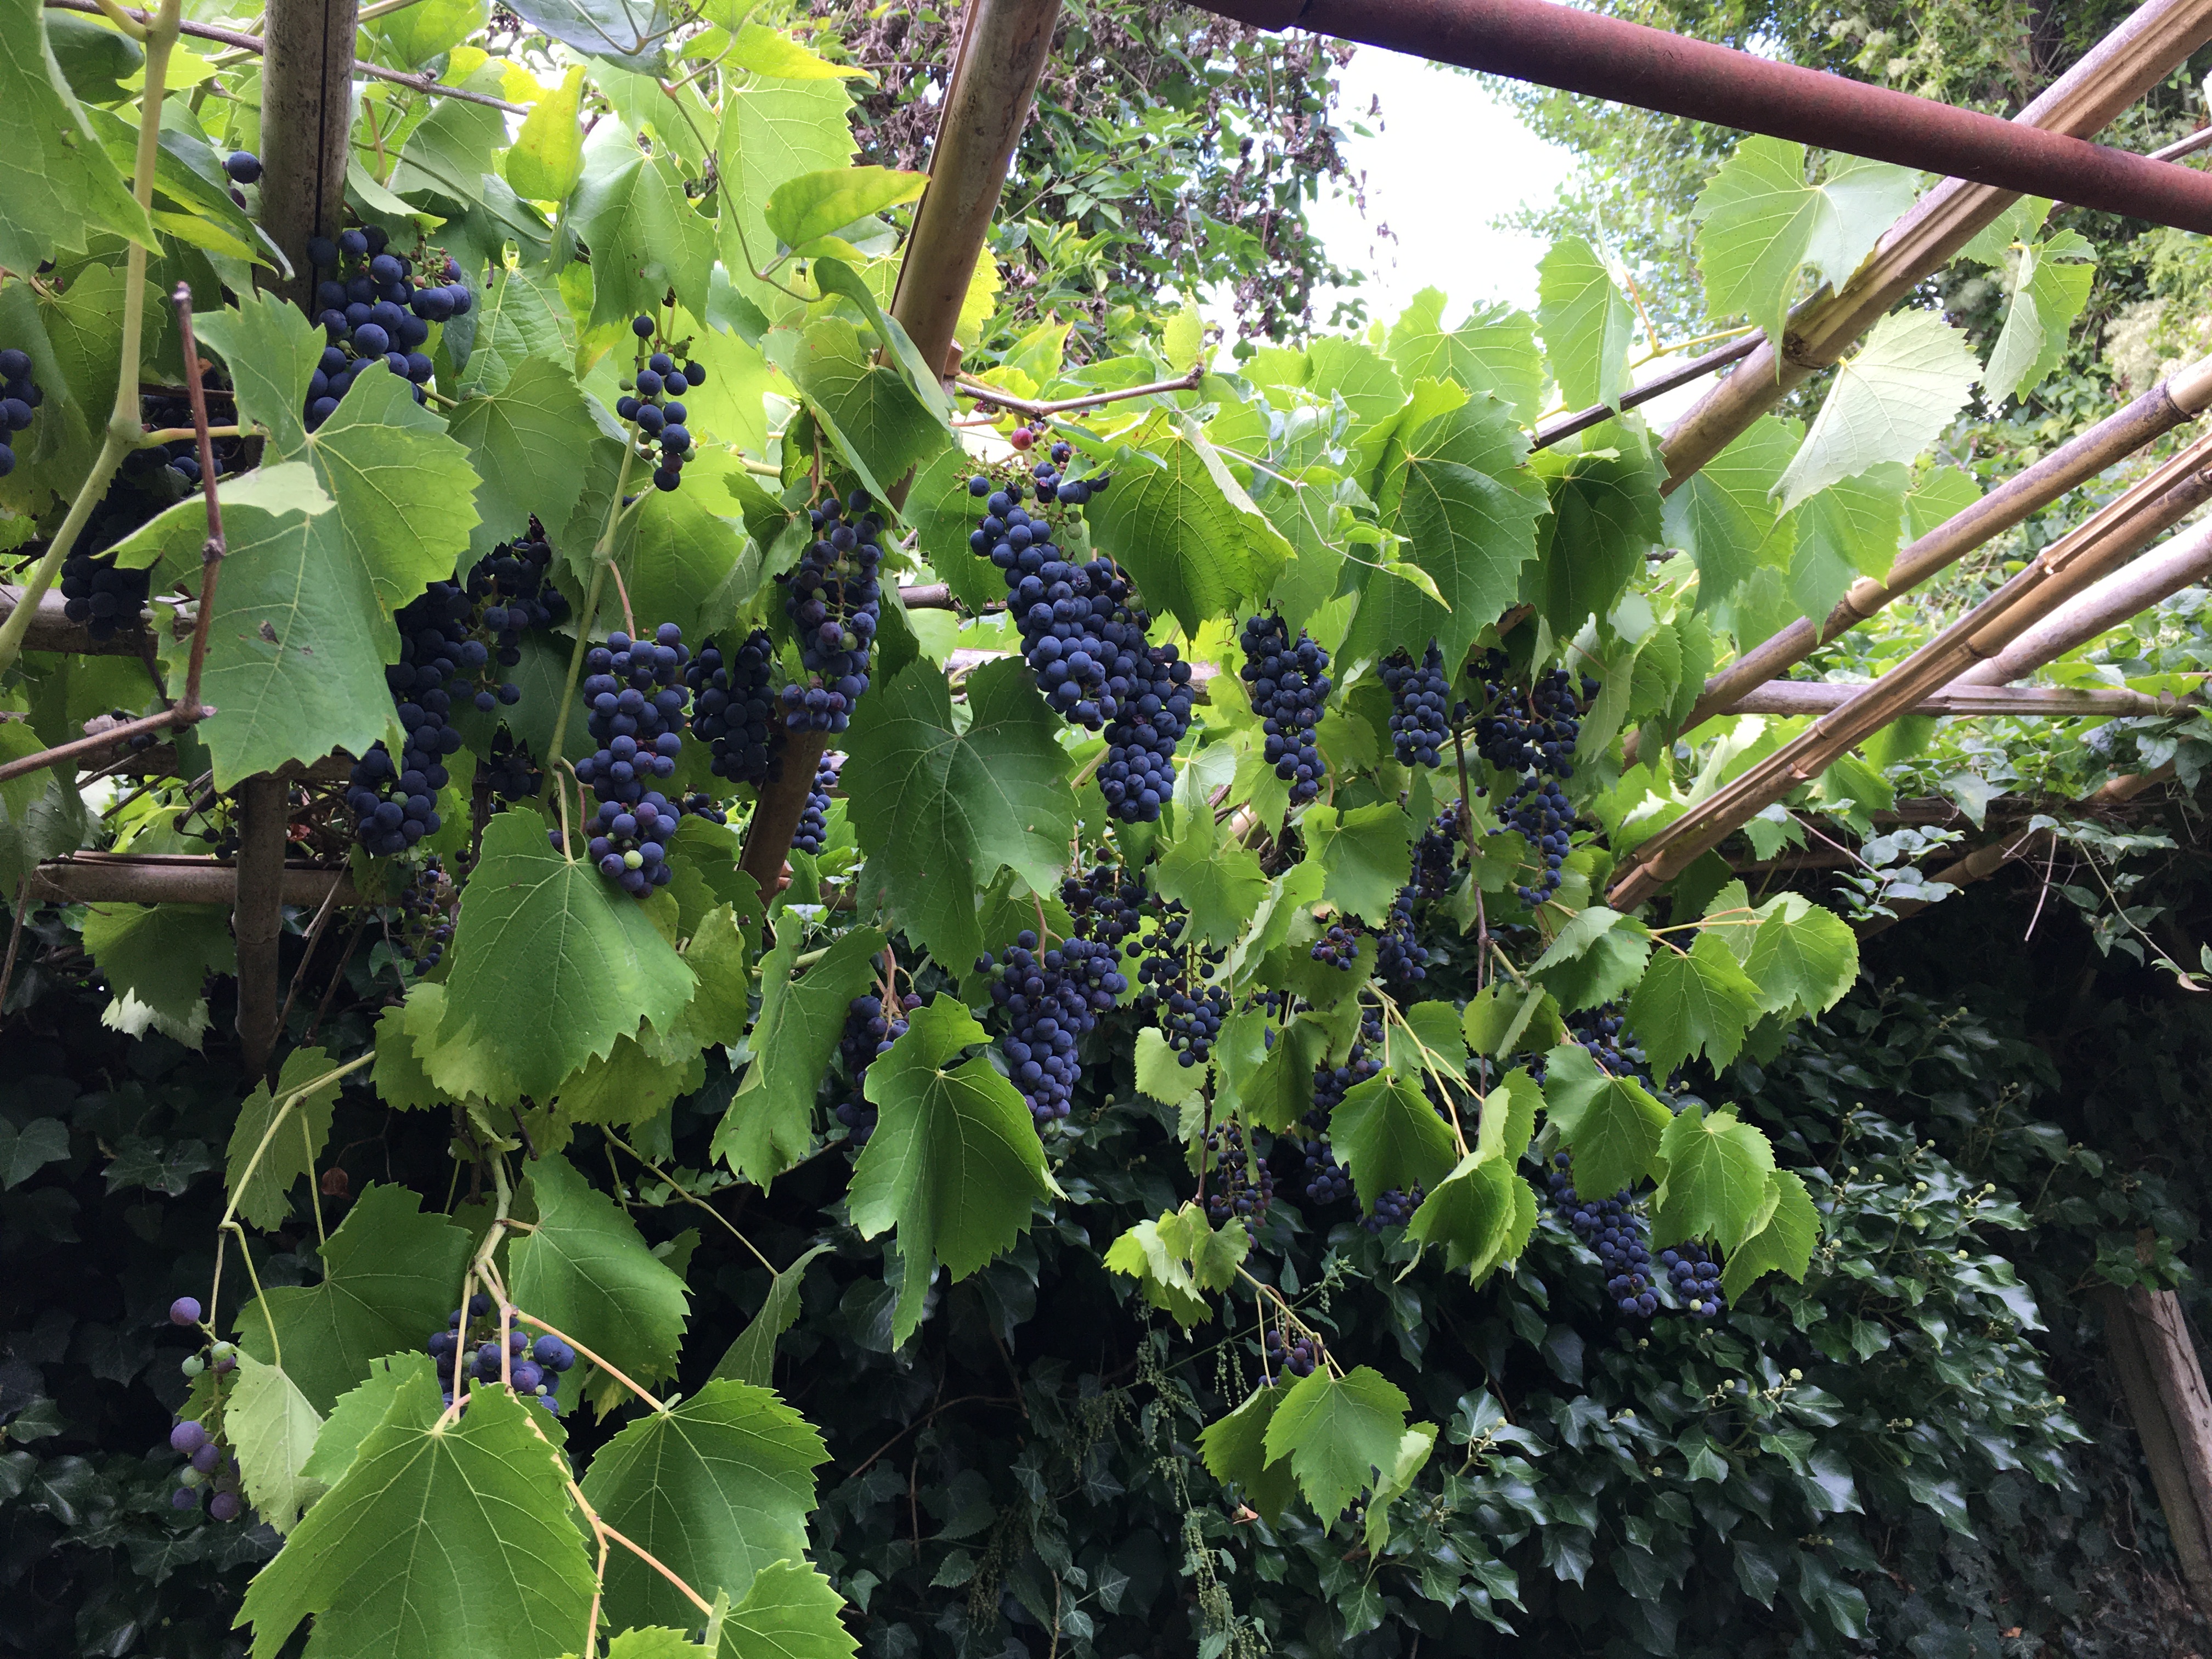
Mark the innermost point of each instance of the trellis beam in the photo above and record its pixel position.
(2151, 580)
(95, 879)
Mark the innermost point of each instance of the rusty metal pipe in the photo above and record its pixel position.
(1556, 45)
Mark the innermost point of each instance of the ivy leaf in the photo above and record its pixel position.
(1715, 1184)
(522, 442)
(770, 1124)
(1890, 401)
(583, 1267)
(156, 959)
(751, 1357)
(264, 1196)
(1784, 1245)
(1183, 528)
(357, 1412)
(939, 809)
(1494, 351)
(1336, 1433)
(1693, 1002)
(509, 1578)
(596, 965)
(954, 1163)
(1760, 224)
(815, 204)
(271, 1428)
(1388, 1137)
(644, 235)
(547, 157)
(1365, 855)
(2047, 296)
(1802, 958)
(882, 428)
(1482, 1214)
(614, 31)
(390, 1275)
(62, 187)
(25, 1151)
(1235, 1450)
(790, 1612)
(1722, 514)
(1587, 324)
(717, 1487)
(1395, 1480)
(1611, 1124)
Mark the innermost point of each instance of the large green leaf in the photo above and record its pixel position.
(1221, 883)
(583, 1266)
(1722, 515)
(1848, 531)
(442, 1539)
(716, 1487)
(523, 442)
(1494, 351)
(1611, 1124)
(1693, 1002)
(867, 406)
(1235, 1449)
(546, 160)
(954, 1163)
(644, 236)
(751, 1357)
(626, 34)
(1184, 529)
(1365, 855)
(681, 555)
(2049, 289)
(597, 968)
(271, 1429)
(770, 1124)
(1388, 1135)
(815, 204)
(357, 1412)
(1587, 324)
(790, 1612)
(391, 1274)
(1605, 516)
(1481, 1213)
(939, 809)
(1715, 1181)
(1802, 958)
(774, 129)
(62, 187)
(156, 959)
(1336, 1433)
(1784, 1245)
(448, 153)
(1891, 399)
(264, 1197)
(519, 315)
(1760, 224)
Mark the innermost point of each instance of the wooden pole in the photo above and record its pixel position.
(307, 117)
(257, 917)
(2157, 576)
(92, 880)
(2164, 1387)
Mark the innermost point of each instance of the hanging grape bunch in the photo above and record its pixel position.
(734, 712)
(813, 834)
(1436, 856)
(427, 906)
(1051, 998)
(1177, 975)
(1530, 736)
(19, 396)
(1394, 1209)
(1603, 1032)
(1538, 809)
(1695, 1279)
(95, 593)
(834, 601)
(1107, 902)
(510, 771)
(394, 807)
(634, 693)
(1289, 684)
(868, 1035)
(1399, 957)
(630, 842)
(650, 403)
(1339, 947)
(1419, 695)
(697, 805)
(209, 1472)
(512, 591)
(1298, 1359)
(472, 1346)
(1083, 634)
(1619, 1234)
(373, 307)
(1243, 1185)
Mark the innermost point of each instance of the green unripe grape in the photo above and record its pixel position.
(189, 1476)
(192, 1364)
(633, 858)
(222, 1351)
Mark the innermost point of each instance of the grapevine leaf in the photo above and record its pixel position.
(522, 442)
(680, 555)
(1160, 1072)
(790, 1612)
(751, 1357)
(943, 513)
(519, 315)
(62, 187)
(1395, 1480)
(357, 1413)
(271, 350)
(401, 1082)
(615, 32)
(584, 1267)
(1365, 854)
(954, 1163)
(1587, 324)
(1605, 516)
(1847, 531)
(775, 126)
(509, 1579)
(652, 1642)
(719, 951)
(1143, 1253)
(1354, 372)
(1429, 1038)
(1600, 969)
(159, 957)
(939, 809)
(596, 965)
(1476, 1215)
(1509, 1116)
(1184, 529)
(867, 406)
(271, 1428)
(815, 204)
(1803, 959)
(1221, 883)
(716, 1487)
(631, 1084)
(1503, 1019)
(1472, 534)
(1281, 1090)
(644, 235)
(1715, 1181)
(2047, 296)
(1760, 224)
(1693, 1002)
(1611, 1124)
(1235, 1449)
(770, 1124)
(1784, 1245)
(448, 153)
(264, 1197)
(390, 1273)
(1890, 401)
(1494, 351)
(1336, 1433)
(1388, 1137)
(1212, 1255)
(546, 160)
(1722, 515)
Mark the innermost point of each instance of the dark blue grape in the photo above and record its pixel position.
(1393, 1208)
(1238, 1185)
(813, 831)
(734, 710)
(1179, 991)
(1620, 1237)
(1695, 1279)
(1288, 685)
(1051, 998)
(1418, 730)
(834, 601)
(868, 1035)
(1400, 961)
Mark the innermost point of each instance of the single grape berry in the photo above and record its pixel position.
(185, 1310)
(243, 167)
(224, 1506)
(188, 1437)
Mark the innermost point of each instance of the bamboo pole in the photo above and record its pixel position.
(2163, 1385)
(85, 879)
(2154, 578)
(2108, 540)
(1958, 698)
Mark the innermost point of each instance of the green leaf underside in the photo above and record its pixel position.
(583, 1269)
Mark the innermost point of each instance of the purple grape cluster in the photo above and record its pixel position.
(1418, 700)
(1532, 730)
(649, 402)
(472, 1343)
(734, 710)
(813, 834)
(394, 807)
(630, 842)
(209, 1472)
(1243, 1185)
(1176, 974)
(1436, 856)
(1695, 1279)
(372, 308)
(1339, 947)
(635, 693)
(834, 602)
(1401, 961)
(1620, 1237)
(1539, 810)
(869, 1032)
(427, 906)
(1051, 998)
(1394, 1209)
(1300, 1357)
(697, 805)
(19, 396)
(1107, 902)
(511, 592)
(1289, 683)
